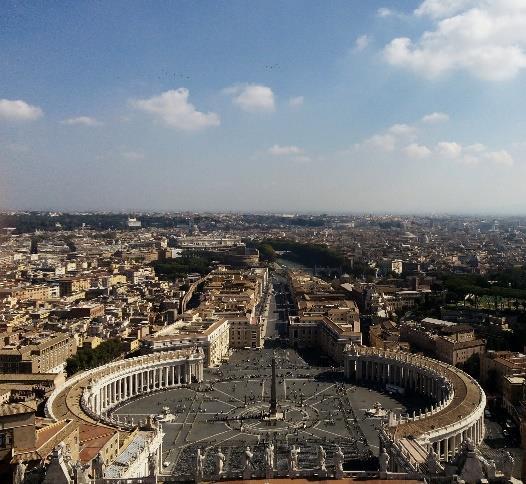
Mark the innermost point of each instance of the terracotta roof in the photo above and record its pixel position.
(47, 439)
(89, 433)
(46, 433)
(92, 439)
(17, 408)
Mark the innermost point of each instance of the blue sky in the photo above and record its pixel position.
(338, 106)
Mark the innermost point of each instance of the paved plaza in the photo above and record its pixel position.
(229, 409)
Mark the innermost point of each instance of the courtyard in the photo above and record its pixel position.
(228, 411)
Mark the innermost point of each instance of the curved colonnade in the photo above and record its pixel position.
(456, 415)
(91, 395)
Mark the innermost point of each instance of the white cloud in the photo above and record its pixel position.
(252, 98)
(384, 142)
(435, 118)
(361, 43)
(475, 148)
(82, 121)
(384, 12)
(173, 108)
(18, 110)
(278, 150)
(401, 140)
(443, 8)
(501, 157)
(296, 101)
(473, 154)
(289, 152)
(449, 149)
(486, 38)
(417, 151)
(402, 130)
(388, 140)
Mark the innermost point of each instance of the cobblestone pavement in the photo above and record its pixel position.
(228, 411)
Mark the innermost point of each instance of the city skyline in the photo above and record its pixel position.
(340, 107)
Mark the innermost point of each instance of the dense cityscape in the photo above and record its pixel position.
(262, 242)
(138, 346)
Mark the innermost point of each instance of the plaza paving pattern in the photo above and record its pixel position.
(227, 411)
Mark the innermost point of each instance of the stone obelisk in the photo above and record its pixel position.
(273, 400)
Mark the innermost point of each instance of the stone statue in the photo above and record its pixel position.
(469, 464)
(470, 446)
(152, 423)
(80, 473)
(294, 455)
(57, 470)
(98, 467)
(322, 455)
(220, 462)
(200, 465)
(297, 451)
(338, 459)
(507, 465)
(153, 467)
(432, 462)
(269, 457)
(19, 474)
(384, 461)
(490, 468)
(248, 465)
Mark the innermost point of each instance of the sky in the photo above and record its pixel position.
(346, 106)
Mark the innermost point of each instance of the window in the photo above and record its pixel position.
(5, 439)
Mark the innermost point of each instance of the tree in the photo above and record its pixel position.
(472, 366)
(87, 358)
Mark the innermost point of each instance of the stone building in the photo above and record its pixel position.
(450, 342)
(46, 356)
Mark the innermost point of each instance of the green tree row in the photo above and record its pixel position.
(182, 266)
(509, 284)
(87, 358)
(309, 255)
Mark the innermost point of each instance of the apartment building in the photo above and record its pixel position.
(73, 285)
(46, 356)
(386, 336)
(245, 333)
(213, 336)
(33, 292)
(495, 365)
(447, 341)
(318, 331)
(326, 319)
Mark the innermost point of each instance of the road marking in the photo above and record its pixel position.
(332, 433)
(228, 395)
(319, 393)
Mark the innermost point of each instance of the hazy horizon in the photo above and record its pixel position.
(277, 213)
